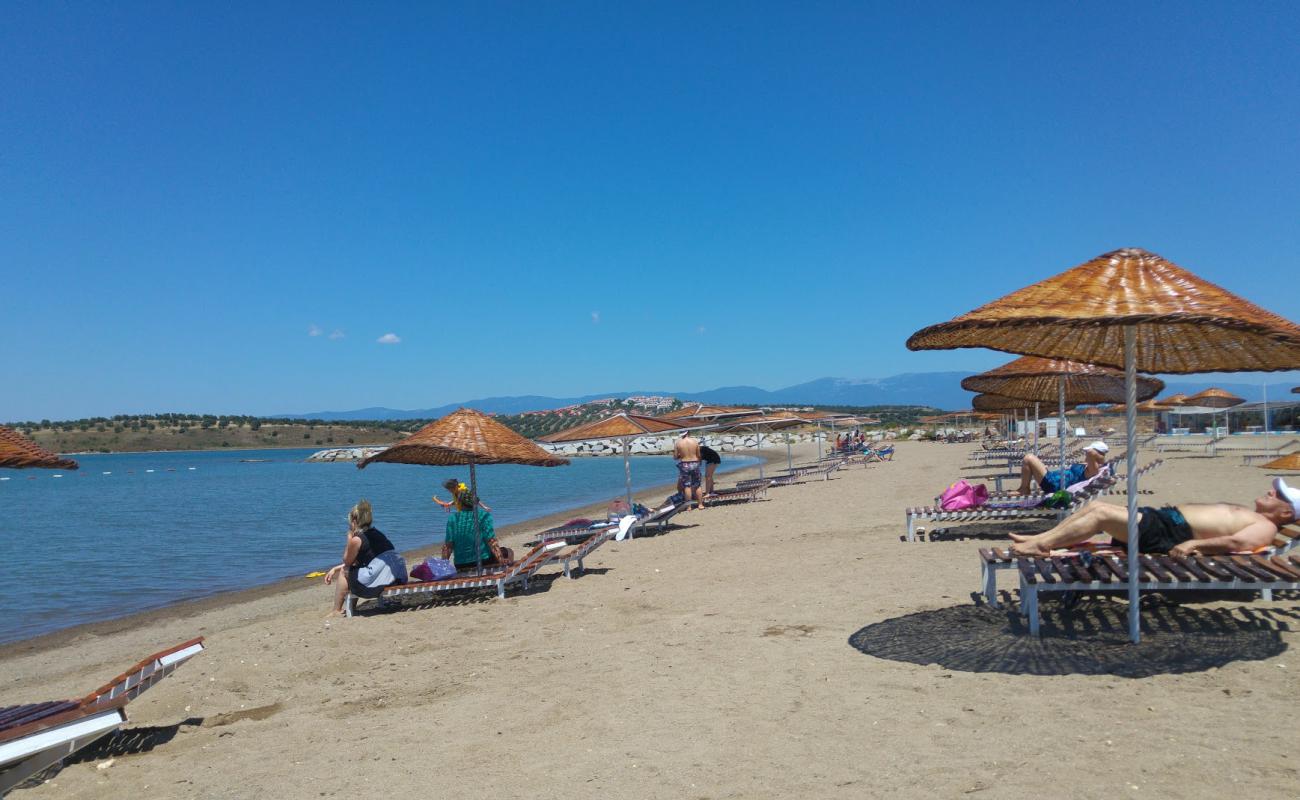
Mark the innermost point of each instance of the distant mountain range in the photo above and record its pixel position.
(937, 389)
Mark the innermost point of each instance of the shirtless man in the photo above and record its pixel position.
(1206, 528)
(1032, 469)
(687, 453)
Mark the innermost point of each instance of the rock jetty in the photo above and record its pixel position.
(346, 453)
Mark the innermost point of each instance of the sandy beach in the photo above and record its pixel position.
(794, 646)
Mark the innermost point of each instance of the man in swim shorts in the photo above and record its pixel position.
(1034, 471)
(687, 453)
(1205, 528)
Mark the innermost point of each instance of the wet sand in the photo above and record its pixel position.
(790, 646)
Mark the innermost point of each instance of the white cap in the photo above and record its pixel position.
(1289, 494)
(1099, 446)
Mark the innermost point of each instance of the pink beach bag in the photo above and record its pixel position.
(962, 495)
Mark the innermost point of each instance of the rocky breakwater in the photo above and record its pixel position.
(346, 453)
(663, 444)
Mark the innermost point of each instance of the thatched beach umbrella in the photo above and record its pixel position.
(1062, 380)
(622, 426)
(466, 436)
(1288, 461)
(1215, 398)
(757, 422)
(1131, 309)
(19, 452)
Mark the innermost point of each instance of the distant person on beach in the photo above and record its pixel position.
(1206, 528)
(459, 543)
(1034, 471)
(370, 562)
(455, 487)
(687, 453)
(711, 461)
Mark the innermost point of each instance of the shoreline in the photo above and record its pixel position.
(183, 609)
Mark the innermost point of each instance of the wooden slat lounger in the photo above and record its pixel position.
(499, 578)
(997, 559)
(36, 736)
(575, 555)
(1100, 487)
(1108, 571)
(737, 494)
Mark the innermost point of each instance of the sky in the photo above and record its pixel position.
(283, 207)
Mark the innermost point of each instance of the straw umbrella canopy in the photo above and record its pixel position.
(1288, 461)
(1061, 380)
(622, 426)
(466, 436)
(1131, 309)
(1215, 398)
(19, 452)
(756, 422)
(705, 411)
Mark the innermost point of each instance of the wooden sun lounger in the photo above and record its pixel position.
(579, 552)
(738, 495)
(35, 736)
(659, 518)
(1109, 571)
(997, 559)
(499, 578)
(1100, 487)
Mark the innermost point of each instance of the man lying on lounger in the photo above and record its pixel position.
(1205, 528)
(1032, 469)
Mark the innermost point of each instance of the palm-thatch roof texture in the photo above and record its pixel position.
(462, 437)
(1215, 398)
(1288, 461)
(1037, 378)
(1183, 324)
(19, 452)
(613, 427)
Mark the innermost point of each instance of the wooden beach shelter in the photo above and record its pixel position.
(622, 426)
(1046, 379)
(1132, 309)
(19, 452)
(466, 436)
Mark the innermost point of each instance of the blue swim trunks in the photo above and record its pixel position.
(688, 474)
(1057, 480)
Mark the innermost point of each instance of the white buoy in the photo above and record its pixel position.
(4, 479)
(193, 468)
(148, 470)
(108, 473)
(56, 476)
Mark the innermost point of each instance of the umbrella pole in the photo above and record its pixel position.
(819, 441)
(627, 470)
(1035, 427)
(1130, 433)
(1060, 425)
(473, 509)
(1266, 414)
(789, 462)
(759, 432)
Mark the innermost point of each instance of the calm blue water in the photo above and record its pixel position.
(164, 527)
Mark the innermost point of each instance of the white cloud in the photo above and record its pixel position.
(595, 318)
(314, 330)
(389, 338)
(337, 334)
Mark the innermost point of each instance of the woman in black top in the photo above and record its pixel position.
(711, 461)
(370, 562)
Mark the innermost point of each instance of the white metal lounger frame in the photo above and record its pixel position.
(519, 572)
(937, 514)
(96, 715)
(625, 527)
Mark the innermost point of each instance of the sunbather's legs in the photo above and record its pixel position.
(708, 477)
(1032, 470)
(1096, 517)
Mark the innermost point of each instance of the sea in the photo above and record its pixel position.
(130, 532)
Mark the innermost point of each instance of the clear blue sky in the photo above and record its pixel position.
(568, 198)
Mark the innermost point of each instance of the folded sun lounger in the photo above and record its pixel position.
(36, 736)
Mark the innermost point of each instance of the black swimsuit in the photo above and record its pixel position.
(1162, 529)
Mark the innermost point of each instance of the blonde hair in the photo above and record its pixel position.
(361, 517)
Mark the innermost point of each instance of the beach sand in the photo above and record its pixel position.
(794, 646)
